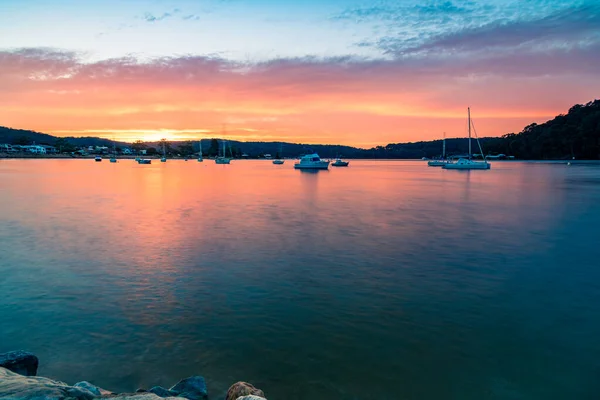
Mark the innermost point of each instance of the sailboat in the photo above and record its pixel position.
(200, 151)
(113, 158)
(469, 163)
(223, 159)
(164, 157)
(279, 160)
(441, 162)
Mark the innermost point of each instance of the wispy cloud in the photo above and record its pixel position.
(564, 28)
(149, 17)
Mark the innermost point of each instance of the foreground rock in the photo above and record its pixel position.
(192, 388)
(20, 362)
(161, 391)
(251, 397)
(18, 387)
(241, 389)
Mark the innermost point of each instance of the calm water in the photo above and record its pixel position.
(383, 280)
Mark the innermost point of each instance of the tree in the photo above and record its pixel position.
(151, 151)
(22, 140)
(165, 146)
(63, 145)
(138, 145)
(214, 148)
(186, 148)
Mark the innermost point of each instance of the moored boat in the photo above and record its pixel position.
(469, 163)
(311, 161)
(340, 163)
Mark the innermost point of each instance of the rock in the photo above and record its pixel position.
(162, 392)
(96, 391)
(18, 387)
(192, 388)
(240, 389)
(140, 396)
(21, 362)
(251, 397)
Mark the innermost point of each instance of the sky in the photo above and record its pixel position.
(352, 72)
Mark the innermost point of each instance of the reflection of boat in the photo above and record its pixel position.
(98, 158)
(442, 161)
(200, 151)
(340, 163)
(469, 163)
(311, 161)
(223, 159)
(144, 161)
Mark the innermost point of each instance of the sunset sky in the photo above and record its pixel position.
(352, 72)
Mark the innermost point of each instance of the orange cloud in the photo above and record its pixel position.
(347, 101)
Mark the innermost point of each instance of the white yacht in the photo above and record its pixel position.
(311, 161)
(278, 160)
(164, 157)
(469, 163)
(223, 159)
(340, 163)
(200, 159)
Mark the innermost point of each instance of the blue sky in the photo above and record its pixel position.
(253, 30)
(344, 71)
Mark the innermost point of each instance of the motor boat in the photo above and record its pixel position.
(340, 163)
(278, 162)
(97, 158)
(145, 161)
(311, 161)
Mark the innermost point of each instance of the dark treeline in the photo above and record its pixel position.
(575, 134)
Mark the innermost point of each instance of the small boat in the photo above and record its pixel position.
(278, 160)
(97, 158)
(145, 161)
(442, 161)
(311, 162)
(164, 157)
(340, 163)
(465, 163)
(223, 159)
(113, 158)
(469, 163)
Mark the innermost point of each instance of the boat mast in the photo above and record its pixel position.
(444, 147)
(469, 114)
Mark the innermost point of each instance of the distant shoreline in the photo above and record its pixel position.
(133, 157)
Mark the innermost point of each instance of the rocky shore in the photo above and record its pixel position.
(18, 381)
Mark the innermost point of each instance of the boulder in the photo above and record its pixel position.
(18, 387)
(140, 396)
(21, 362)
(251, 397)
(240, 389)
(161, 391)
(96, 391)
(192, 388)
